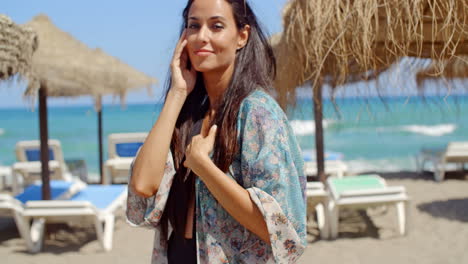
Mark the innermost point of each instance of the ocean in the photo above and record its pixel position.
(383, 134)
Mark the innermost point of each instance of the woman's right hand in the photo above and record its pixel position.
(183, 79)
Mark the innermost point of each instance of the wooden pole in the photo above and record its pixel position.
(44, 139)
(319, 144)
(99, 114)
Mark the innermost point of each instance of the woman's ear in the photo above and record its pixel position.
(243, 37)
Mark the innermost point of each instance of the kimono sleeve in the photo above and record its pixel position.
(272, 173)
(147, 212)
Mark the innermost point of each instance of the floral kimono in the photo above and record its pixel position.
(269, 166)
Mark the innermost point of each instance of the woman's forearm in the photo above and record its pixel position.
(148, 168)
(234, 199)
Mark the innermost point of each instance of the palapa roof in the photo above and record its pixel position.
(17, 45)
(349, 40)
(67, 67)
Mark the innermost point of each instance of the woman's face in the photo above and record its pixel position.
(212, 35)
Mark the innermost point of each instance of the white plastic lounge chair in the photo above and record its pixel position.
(15, 206)
(5, 176)
(441, 159)
(122, 150)
(365, 191)
(94, 203)
(29, 165)
(334, 165)
(317, 201)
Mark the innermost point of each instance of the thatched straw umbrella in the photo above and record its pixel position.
(66, 67)
(116, 78)
(337, 41)
(17, 45)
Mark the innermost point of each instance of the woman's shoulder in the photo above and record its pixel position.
(260, 102)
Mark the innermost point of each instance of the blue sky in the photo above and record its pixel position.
(141, 33)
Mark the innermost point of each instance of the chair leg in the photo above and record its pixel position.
(34, 234)
(37, 234)
(99, 231)
(323, 219)
(439, 172)
(334, 217)
(439, 175)
(319, 210)
(403, 215)
(108, 231)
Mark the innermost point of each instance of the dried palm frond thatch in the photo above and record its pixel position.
(17, 45)
(67, 67)
(341, 40)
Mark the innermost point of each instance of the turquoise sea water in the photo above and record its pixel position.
(372, 133)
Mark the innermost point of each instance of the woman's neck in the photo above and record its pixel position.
(216, 82)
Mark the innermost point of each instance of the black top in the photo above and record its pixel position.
(182, 250)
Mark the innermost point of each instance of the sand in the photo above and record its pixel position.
(438, 233)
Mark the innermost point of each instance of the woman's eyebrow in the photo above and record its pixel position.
(211, 18)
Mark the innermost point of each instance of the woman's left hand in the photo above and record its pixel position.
(198, 151)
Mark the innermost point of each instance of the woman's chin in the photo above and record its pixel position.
(203, 68)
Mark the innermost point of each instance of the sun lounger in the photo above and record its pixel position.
(440, 159)
(94, 203)
(317, 201)
(334, 165)
(29, 165)
(122, 150)
(15, 206)
(365, 191)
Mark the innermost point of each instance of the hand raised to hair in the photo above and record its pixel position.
(183, 79)
(198, 151)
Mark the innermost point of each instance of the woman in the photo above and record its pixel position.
(220, 175)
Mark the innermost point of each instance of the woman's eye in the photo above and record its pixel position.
(193, 26)
(218, 26)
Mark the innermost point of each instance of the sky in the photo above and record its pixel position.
(142, 33)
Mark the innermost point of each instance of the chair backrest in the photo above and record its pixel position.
(457, 151)
(30, 151)
(125, 145)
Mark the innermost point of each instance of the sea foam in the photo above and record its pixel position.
(433, 131)
(306, 127)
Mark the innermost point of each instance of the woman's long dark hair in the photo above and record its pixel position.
(255, 68)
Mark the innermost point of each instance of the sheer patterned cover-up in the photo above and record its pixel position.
(269, 166)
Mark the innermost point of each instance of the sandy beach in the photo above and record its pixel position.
(438, 233)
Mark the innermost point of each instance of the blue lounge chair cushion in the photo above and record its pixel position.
(34, 191)
(35, 154)
(101, 196)
(128, 149)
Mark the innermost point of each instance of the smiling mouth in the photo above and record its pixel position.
(203, 52)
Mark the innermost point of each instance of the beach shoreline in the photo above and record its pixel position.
(438, 233)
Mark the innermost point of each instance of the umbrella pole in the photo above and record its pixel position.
(44, 136)
(99, 114)
(319, 144)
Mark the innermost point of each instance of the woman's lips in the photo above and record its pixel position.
(203, 52)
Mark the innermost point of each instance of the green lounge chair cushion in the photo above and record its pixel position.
(355, 183)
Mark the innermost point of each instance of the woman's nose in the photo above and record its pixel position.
(203, 34)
